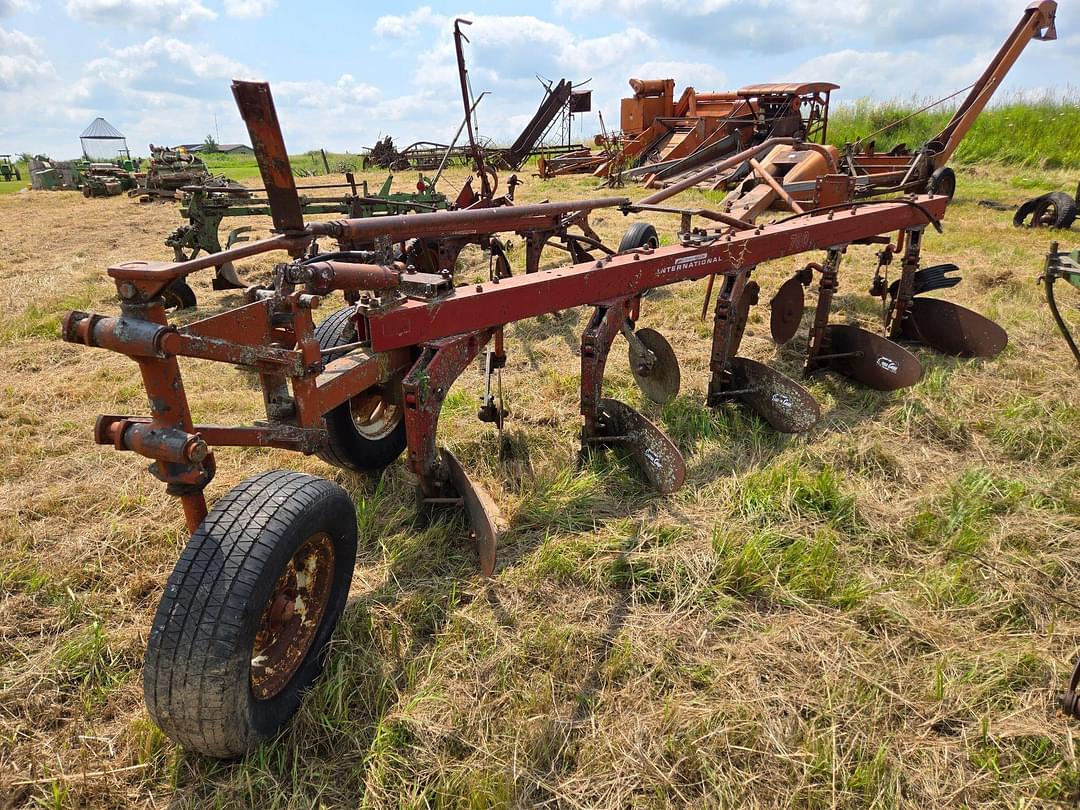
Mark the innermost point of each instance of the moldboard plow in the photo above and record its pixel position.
(244, 620)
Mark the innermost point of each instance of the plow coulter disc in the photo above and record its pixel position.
(653, 452)
(741, 313)
(953, 329)
(873, 360)
(787, 309)
(775, 397)
(657, 377)
(484, 516)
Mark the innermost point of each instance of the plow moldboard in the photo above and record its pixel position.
(952, 329)
(484, 516)
(775, 397)
(873, 360)
(656, 455)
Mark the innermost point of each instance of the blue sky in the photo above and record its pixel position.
(344, 73)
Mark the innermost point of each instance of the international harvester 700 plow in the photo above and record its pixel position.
(242, 627)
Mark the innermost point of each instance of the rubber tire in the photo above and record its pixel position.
(640, 234)
(196, 675)
(1026, 210)
(942, 181)
(346, 447)
(179, 295)
(1065, 208)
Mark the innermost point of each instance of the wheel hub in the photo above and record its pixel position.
(292, 616)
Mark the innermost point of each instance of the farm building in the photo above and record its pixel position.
(224, 148)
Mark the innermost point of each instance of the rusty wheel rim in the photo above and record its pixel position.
(374, 415)
(1045, 216)
(292, 616)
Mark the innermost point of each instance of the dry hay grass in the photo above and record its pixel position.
(876, 614)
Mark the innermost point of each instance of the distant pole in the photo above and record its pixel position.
(217, 132)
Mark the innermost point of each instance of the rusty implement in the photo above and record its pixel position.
(485, 518)
(952, 329)
(365, 387)
(787, 309)
(773, 396)
(257, 109)
(651, 450)
(654, 365)
(870, 359)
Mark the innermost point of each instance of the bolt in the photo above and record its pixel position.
(127, 290)
(479, 287)
(197, 450)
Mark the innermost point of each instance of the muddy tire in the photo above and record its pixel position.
(229, 656)
(1054, 210)
(640, 234)
(367, 433)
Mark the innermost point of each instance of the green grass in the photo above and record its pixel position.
(1043, 133)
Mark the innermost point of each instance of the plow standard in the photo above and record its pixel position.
(243, 624)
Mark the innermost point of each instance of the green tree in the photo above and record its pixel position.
(210, 145)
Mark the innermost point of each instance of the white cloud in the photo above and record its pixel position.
(408, 25)
(248, 9)
(164, 62)
(768, 26)
(22, 61)
(864, 74)
(8, 7)
(345, 95)
(171, 15)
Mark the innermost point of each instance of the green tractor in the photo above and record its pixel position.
(8, 170)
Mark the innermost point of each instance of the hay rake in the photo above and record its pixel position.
(247, 612)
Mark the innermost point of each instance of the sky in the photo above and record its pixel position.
(344, 73)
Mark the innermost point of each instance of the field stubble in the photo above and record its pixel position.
(880, 613)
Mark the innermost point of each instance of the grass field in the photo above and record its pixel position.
(880, 613)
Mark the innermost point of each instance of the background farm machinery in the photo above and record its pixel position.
(206, 206)
(276, 553)
(171, 169)
(664, 138)
(764, 144)
(8, 170)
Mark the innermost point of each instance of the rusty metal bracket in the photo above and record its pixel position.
(424, 389)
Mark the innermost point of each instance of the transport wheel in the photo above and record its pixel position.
(640, 234)
(178, 295)
(1055, 210)
(242, 627)
(367, 433)
(942, 181)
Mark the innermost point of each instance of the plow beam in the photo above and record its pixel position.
(482, 306)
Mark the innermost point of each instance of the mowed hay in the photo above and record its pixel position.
(879, 613)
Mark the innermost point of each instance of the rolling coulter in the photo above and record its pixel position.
(244, 620)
